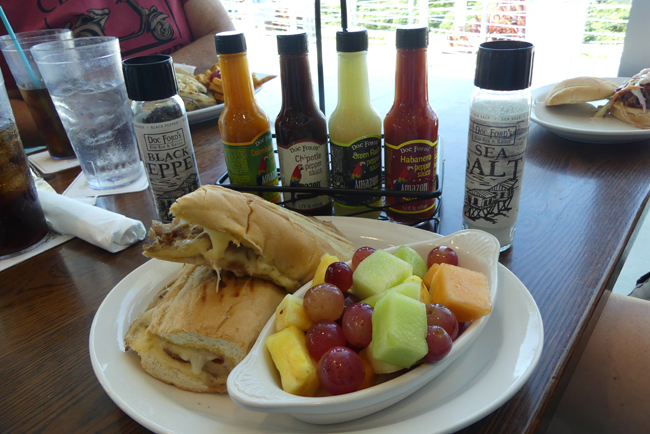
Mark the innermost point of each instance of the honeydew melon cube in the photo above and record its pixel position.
(410, 289)
(407, 254)
(379, 272)
(399, 330)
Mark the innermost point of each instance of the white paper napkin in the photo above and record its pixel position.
(79, 188)
(106, 229)
(46, 164)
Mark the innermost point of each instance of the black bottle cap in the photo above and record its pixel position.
(504, 65)
(150, 78)
(292, 43)
(352, 40)
(230, 42)
(412, 37)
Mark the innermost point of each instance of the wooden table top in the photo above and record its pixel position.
(580, 204)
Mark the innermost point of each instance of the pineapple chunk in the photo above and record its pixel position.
(291, 312)
(291, 358)
(325, 261)
(425, 297)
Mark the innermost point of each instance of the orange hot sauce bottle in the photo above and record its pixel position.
(411, 129)
(244, 126)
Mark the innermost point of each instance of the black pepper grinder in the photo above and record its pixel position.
(162, 130)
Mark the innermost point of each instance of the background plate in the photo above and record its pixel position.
(478, 382)
(575, 122)
(206, 114)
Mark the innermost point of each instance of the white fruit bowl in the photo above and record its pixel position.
(254, 384)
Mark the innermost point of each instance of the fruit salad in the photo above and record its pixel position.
(380, 314)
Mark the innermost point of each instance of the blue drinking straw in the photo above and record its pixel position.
(21, 53)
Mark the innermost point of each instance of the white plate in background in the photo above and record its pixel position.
(477, 383)
(209, 113)
(576, 121)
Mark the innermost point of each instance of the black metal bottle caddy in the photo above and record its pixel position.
(311, 192)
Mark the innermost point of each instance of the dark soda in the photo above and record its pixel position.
(49, 125)
(22, 223)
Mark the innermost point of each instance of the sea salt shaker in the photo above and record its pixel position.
(498, 131)
(162, 130)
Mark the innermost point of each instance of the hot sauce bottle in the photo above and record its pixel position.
(411, 129)
(355, 128)
(300, 129)
(244, 126)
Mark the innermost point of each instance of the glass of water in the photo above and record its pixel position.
(84, 78)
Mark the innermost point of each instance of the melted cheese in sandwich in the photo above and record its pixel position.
(196, 357)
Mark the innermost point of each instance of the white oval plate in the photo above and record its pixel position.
(478, 382)
(576, 122)
(254, 383)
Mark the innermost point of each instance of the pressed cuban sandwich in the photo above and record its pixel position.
(228, 230)
(200, 327)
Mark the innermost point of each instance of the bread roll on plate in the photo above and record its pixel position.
(580, 89)
(225, 229)
(200, 327)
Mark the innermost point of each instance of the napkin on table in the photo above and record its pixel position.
(102, 228)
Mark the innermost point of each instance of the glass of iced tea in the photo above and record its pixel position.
(22, 223)
(33, 89)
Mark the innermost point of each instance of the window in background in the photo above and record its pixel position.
(572, 37)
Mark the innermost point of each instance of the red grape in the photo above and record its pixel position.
(339, 274)
(322, 336)
(340, 371)
(439, 315)
(442, 255)
(439, 344)
(324, 301)
(462, 326)
(349, 300)
(357, 324)
(361, 254)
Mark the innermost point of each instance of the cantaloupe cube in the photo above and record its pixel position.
(464, 292)
(428, 276)
(290, 355)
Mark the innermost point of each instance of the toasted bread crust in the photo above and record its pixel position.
(290, 242)
(217, 319)
(580, 89)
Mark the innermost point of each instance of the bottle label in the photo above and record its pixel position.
(495, 166)
(357, 165)
(253, 163)
(304, 163)
(411, 166)
(168, 156)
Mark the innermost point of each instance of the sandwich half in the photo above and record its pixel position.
(228, 230)
(580, 89)
(201, 326)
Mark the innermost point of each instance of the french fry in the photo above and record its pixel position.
(216, 86)
(218, 96)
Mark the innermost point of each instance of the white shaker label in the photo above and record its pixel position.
(495, 165)
(304, 163)
(168, 156)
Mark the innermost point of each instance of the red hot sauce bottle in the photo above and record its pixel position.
(411, 128)
(301, 130)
